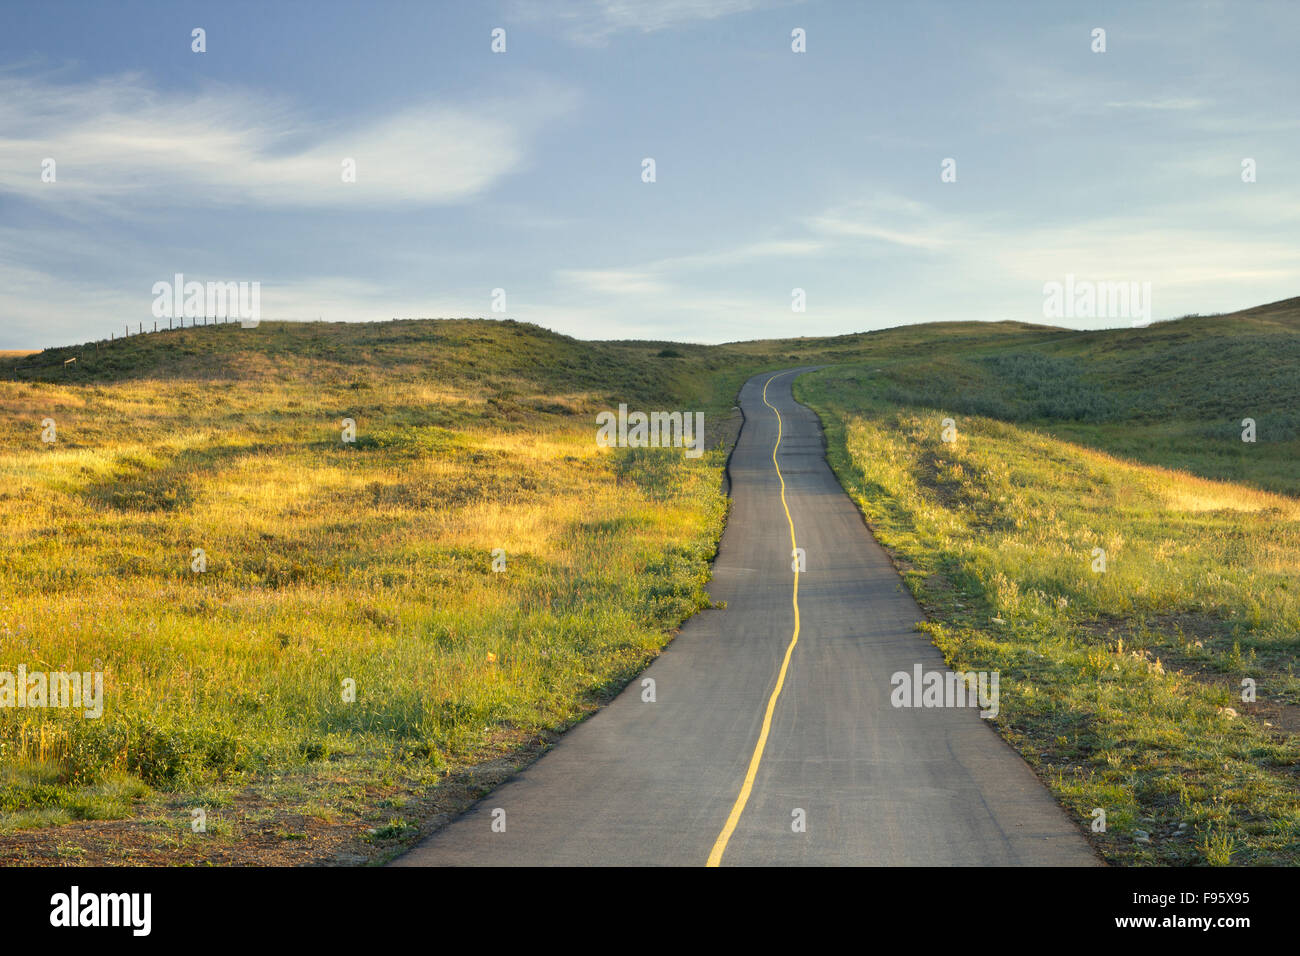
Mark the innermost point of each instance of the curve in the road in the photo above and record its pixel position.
(720, 845)
(769, 739)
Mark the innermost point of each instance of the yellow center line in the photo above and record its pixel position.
(720, 845)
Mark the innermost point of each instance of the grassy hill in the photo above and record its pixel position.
(327, 562)
(1174, 393)
(371, 562)
(1122, 681)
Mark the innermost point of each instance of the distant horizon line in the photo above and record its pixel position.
(22, 352)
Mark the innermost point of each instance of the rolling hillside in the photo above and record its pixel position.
(329, 568)
(371, 562)
(1144, 619)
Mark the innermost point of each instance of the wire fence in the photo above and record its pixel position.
(141, 328)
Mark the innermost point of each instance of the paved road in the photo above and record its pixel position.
(677, 781)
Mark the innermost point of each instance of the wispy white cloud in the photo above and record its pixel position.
(1149, 249)
(593, 22)
(1167, 103)
(663, 275)
(862, 230)
(745, 253)
(614, 281)
(883, 218)
(119, 138)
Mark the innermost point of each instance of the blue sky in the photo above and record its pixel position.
(775, 170)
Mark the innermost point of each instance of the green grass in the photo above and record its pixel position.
(1171, 394)
(1120, 686)
(327, 562)
(371, 562)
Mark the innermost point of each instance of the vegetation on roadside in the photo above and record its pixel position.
(331, 565)
(1123, 687)
(371, 562)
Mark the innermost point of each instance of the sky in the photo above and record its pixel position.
(523, 170)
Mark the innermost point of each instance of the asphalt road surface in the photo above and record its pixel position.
(763, 747)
